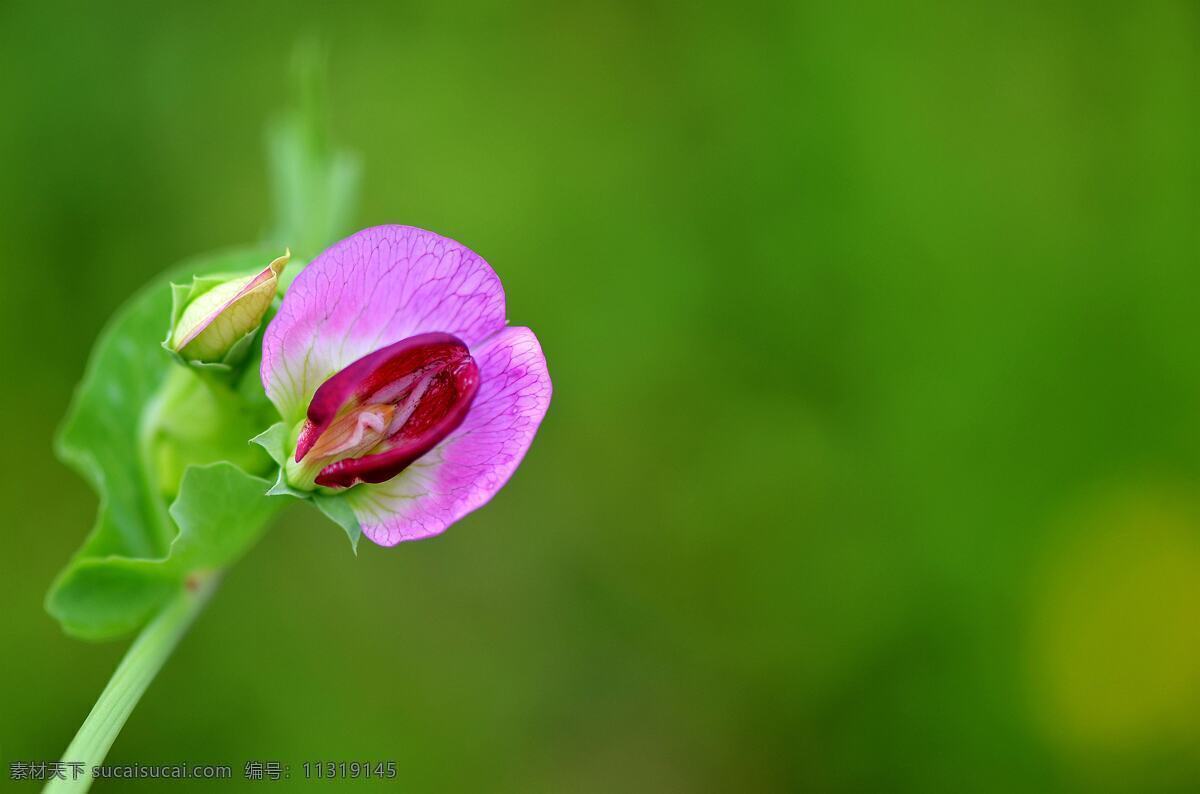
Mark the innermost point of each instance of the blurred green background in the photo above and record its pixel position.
(874, 451)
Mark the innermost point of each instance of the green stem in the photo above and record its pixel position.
(142, 662)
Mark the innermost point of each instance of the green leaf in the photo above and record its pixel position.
(221, 511)
(98, 598)
(127, 433)
(144, 430)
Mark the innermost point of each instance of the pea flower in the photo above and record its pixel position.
(214, 319)
(407, 401)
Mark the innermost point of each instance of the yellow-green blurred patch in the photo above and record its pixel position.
(1116, 629)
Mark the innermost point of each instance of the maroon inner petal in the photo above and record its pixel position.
(430, 378)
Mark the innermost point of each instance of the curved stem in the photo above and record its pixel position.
(137, 669)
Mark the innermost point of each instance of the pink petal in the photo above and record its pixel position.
(368, 291)
(473, 463)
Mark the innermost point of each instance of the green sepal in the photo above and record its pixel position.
(335, 508)
(275, 441)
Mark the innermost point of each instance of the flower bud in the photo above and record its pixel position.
(215, 318)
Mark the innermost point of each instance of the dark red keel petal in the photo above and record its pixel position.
(430, 379)
(422, 433)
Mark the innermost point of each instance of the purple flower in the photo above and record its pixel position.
(402, 389)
